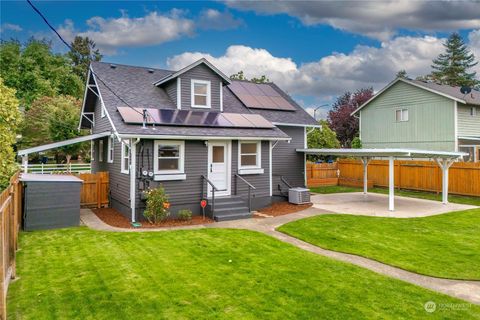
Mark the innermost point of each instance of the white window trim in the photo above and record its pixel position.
(111, 147)
(254, 169)
(92, 150)
(402, 110)
(100, 150)
(181, 158)
(192, 96)
(122, 160)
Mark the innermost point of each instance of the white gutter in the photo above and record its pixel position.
(296, 125)
(171, 137)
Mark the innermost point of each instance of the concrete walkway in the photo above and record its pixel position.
(466, 290)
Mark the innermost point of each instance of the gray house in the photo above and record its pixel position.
(424, 115)
(197, 133)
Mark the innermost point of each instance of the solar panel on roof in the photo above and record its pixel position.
(193, 118)
(260, 96)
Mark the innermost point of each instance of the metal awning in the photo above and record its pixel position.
(443, 158)
(397, 153)
(59, 144)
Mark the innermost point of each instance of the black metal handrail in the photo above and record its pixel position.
(213, 192)
(285, 181)
(250, 188)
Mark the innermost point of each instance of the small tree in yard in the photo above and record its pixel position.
(340, 119)
(157, 205)
(324, 138)
(10, 119)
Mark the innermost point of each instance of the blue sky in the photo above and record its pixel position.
(313, 50)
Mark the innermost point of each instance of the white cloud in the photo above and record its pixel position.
(11, 27)
(211, 19)
(152, 29)
(333, 74)
(474, 43)
(376, 19)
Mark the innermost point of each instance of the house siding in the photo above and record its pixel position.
(261, 195)
(102, 124)
(287, 162)
(119, 182)
(468, 126)
(200, 72)
(171, 90)
(430, 126)
(186, 194)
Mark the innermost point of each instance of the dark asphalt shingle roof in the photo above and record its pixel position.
(454, 91)
(135, 86)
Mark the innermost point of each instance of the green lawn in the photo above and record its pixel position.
(474, 201)
(446, 245)
(78, 273)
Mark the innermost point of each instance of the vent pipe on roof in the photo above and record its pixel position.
(144, 122)
(150, 70)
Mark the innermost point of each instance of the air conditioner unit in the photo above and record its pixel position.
(298, 195)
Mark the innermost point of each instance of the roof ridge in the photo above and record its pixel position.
(132, 66)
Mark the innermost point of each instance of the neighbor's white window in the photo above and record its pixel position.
(111, 143)
(100, 150)
(169, 157)
(473, 111)
(401, 115)
(200, 94)
(249, 157)
(125, 161)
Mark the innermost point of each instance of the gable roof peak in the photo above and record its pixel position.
(191, 66)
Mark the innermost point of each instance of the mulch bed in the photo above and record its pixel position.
(282, 208)
(114, 218)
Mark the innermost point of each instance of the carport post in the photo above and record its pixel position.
(444, 165)
(391, 184)
(365, 161)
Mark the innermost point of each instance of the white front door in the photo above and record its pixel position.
(219, 167)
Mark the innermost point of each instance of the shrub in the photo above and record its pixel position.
(157, 205)
(185, 214)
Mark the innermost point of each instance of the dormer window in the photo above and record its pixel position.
(200, 94)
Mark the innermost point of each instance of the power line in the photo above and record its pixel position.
(75, 51)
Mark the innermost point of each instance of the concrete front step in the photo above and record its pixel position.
(232, 216)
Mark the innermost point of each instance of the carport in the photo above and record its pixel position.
(442, 158)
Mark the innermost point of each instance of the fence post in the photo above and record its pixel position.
(3, 298)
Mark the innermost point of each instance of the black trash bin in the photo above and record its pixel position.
(50, 201)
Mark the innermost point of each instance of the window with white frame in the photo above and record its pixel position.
(169, 157)
(125, 160)
(473, 111)
(100, 150)
(401, 115)
(111, 143)
(200, 94)
(249, 157)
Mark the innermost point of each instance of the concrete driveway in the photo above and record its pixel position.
(374, 204)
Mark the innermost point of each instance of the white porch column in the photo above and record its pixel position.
(444, 165)
(25, 163)
(365, 161)
(391, 184)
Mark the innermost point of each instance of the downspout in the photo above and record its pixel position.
(133, 173)
(271, 165)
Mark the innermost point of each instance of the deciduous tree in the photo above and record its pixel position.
(82, 54)
(324, 138)
(10, 119)
(340, 119)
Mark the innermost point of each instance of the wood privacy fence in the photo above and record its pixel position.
(95, 189)
(464, 177)
(10, 215)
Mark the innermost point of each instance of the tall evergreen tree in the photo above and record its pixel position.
(452, 66)
(82, 54)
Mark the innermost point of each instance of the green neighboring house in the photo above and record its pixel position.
(422, 115)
